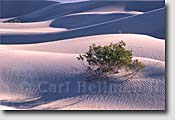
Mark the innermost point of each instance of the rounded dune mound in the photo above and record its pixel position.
(2, 20)
(28, 28)
(6, 108)
(38, 84)
(31, 31)
(29, 78)
(141, 45)
(26, 25)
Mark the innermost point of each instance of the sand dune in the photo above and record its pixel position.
(4, 19)
(82, 20)
(132, 24)
(142, 45)
(31, 31)
(40, 83)
(26, 25)
(31, 72)
(28, 28)
(13, 8)
(138, 24)
(39, 69)
(58, 10)
(33, 69)
(6, 108)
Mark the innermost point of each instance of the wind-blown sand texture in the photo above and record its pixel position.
(39, 69)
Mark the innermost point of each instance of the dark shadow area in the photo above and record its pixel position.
(13, 8)
(59, 10)
(167, 52)
(84, 112)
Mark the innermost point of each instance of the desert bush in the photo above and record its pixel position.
(110, 59)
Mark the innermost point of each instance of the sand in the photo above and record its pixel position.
(142, 45)
(39, 69)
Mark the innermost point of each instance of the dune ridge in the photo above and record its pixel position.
(131, 24)
(140, 44)
(60, 9)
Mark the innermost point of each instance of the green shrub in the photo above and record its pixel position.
(110, 59)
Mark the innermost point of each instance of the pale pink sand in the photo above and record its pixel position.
(27, 66)
(142, 45)
(28, 28)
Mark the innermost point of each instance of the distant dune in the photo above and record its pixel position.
(25, 25)
(82, 20)
(13, 8)
(28, 28)
(137, 24)
(58, 10)
(140, 24)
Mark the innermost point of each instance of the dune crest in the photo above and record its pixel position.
(140, 44)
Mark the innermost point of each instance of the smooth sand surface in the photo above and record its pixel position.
(30, 31)
(28, 28)
(142, 45)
